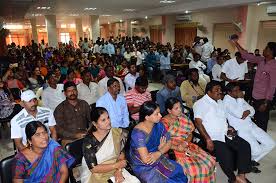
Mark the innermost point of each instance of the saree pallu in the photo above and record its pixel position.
(163, 170)
(107, 154)
(45, 169)
(197, 164)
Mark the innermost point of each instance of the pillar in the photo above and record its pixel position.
(51, 30)
(79, 30)
(128, 28)
(168, 34)
(34, 30)
(95, 27)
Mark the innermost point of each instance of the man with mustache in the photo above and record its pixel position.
(72, 115)
(115, 104)
(31, 112)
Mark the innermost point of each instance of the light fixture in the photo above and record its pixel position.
(121, 20)
(48, 7)
(187, 11)
(146, 17)
(262, 3)
(167, 1)
(106, 15)
(108, 23)
(63, 26)
(43, 8)
(129, 10)
(38, 25)
(73, 14)
(38, 7)
(87, 9)
(36, 15)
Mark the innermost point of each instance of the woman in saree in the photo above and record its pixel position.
(103, 152)
(198, 165)
(43, 160)
(149, 142)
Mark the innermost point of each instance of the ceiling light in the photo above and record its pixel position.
(129, 10)
(108, 23)
(73, 14)
(43, 8)
(187, 11)
(121, 20)
(262, 3)
(167, 1)
(146, 17)
(63, 26)
(106, 15)
(38, 7)
(38, 25)
(48, 7)
(87, 9)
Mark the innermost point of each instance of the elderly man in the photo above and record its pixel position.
(239, 114)
(115, 104)
(72, 115)
(137, 96)
(31, 112)
(169, 90)
(211, 122)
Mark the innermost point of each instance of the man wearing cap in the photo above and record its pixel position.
(53, 95)
(31, 112)
(169, 90)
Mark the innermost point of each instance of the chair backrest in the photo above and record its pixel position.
(6, 169)
(75, 149)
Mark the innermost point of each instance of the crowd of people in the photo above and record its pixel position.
(99, 93)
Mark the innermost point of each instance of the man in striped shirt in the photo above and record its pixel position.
(31, 112)
(137, 96)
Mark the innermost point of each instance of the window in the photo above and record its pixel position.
(64, 37)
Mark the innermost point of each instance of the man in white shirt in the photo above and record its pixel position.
(207, 49)
(115, 104)
(196, 63)
(217, 68)
(234, 69)
(31, 112)
(109, 72)
(139, 56)
(96, 48)
(239, 114)
(53, 95)
(131, 77)
(88, 90)
(197, 45)
(210, 120)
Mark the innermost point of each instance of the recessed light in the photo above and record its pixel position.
(121, 20)
(146, 17)
(129, 10)
(38, 7)
(48, 7)
(87, 9)
(108, 23)
(43, 8)
(106, 15)
(167, 1)
(187, 11)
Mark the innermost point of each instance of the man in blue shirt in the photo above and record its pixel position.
(115, 104)
(151, 62)
(110, 48)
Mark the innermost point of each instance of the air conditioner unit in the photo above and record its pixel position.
(271, 10)
(185, 18)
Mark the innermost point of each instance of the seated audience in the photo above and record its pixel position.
(109, 71)
(217, 68)
(115, 104)
(193, 88)
(43, 160)
(72, 115)
(122, 70)
(198, 165)
(11, 81)
(103, 155)
(207, 49)
(36, 80)
(165, 62)
(239, 114)
(234, 69)
(94, 69)
(169, 90)
(211, 62)
(131, 77)
(53, 95)
(88, 90)
(229, 149)
(151, 63)
(71, 76)
(30, 112)
(137, 96)
(8, 108)
(196, 63)
(148, 144)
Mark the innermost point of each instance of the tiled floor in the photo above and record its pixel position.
(268, 164)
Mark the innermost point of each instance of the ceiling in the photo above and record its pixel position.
(71, 9)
